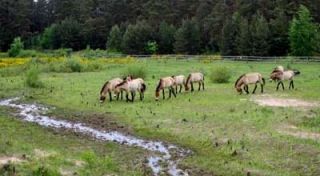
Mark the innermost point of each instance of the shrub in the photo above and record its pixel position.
(74, 65)
(136, 72)
(32, 78)
(16, 47)
(220, 75)
(152, 47)
(44, 171)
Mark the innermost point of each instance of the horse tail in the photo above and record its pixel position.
(188, 79)
(235, 85)
(104, 86)
(144, 87)
(296, 72)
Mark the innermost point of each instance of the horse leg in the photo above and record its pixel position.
(255, 88)
(132, 96)
(246, 88)
(110, 96)
(164, 97)
(176, 88)
(202, 85)
(199, 86)
(191, 87)
(261, 87)
(141, 96)
(118, 94)
(170, 91)
(121, 95)
(282, 85)
(127, 96)
(180, 89)
(278, 85)
(292, 85)
(174, 94)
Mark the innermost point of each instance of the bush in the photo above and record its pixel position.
(136, 72)
(220, 75)
(32, 78)
(44, 171)
(16, 47)
(74, 65)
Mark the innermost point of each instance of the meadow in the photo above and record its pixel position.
(228, 133)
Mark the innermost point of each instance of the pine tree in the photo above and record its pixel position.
(166, 38)
(114, 39)
(228, 43)
(243, 38)
(302, 33)
(260, 36)
(187, 38)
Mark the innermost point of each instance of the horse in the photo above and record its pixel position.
(194, 78)
(249, 78)
(132, 86)
(167, 82)
(279, 75)
(179, 81)
(108, 88)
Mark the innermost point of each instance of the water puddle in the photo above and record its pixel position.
(162, 162)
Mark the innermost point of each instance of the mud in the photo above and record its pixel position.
(294, 131)
(163, 153)
(283, 102)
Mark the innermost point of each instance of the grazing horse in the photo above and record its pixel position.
(194, 78)
(249, 78)
(179, 81)
(279, 75)
(108, 88)
(132, 86)
(167, 82)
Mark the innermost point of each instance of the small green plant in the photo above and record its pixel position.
(136, 72)
(220, 75)
(16, 47)
(32, 78)
(44, 171)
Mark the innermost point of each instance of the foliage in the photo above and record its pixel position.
(32, 78)
(16, 47)
(303, 33)
(187, 38)
(220, 75)
(45, 171)
(135, 71)
(136, 38)
(166, 38)
(152, 47)
(114, 39)
(259, 36)
(228, 43)
(48, 38)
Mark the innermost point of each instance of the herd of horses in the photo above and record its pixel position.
(117, 86)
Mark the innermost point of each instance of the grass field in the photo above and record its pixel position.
(228, 133)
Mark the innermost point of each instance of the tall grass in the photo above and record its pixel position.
(135, 72)
(32, 78)
(220, 75)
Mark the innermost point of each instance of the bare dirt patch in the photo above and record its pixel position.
(43, 154)
(6, 160)
(283, 102)
(294, 131)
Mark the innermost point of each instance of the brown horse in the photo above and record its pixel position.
(108, 88)
(179, 81)
(132, 86)
(167, 82)
(194, 78)
(249, 78)
(279, 75)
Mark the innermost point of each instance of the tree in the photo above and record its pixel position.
(16, 47)
(302, 33)
(68, 34)
(187, 38)
(166, 38)
(136, 38)
(260, 33)
(114, 39)
(48, 38)
(243, 38)
(228, 43)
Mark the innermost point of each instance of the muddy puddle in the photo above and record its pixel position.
(164, 160)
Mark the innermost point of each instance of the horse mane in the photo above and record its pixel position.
(104, 86)
(188, 79)
(239, 79)
(159, 85)
(122, 83)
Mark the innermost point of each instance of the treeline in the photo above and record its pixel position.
(231, 27)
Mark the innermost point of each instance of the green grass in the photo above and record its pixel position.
(201, 121)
